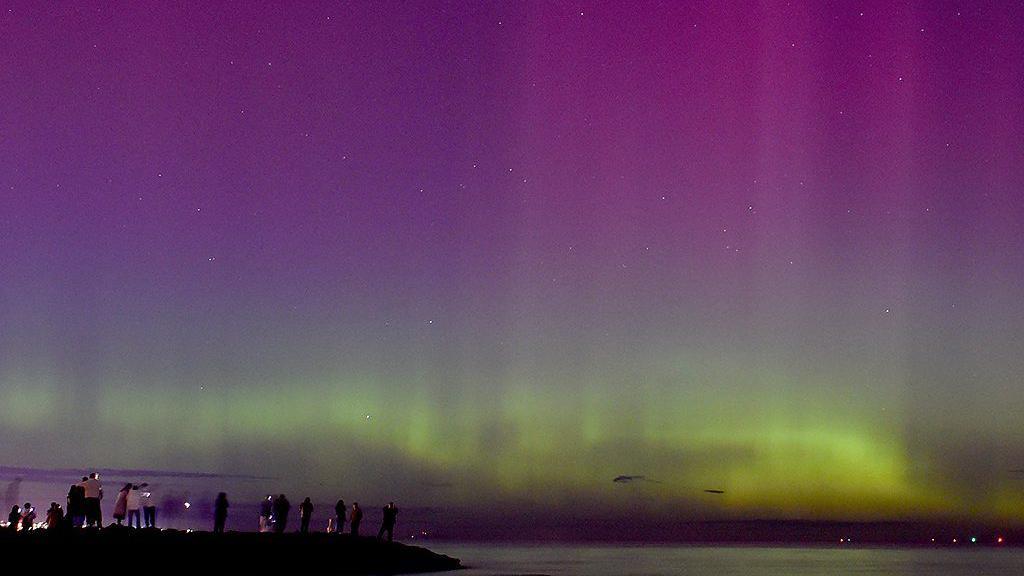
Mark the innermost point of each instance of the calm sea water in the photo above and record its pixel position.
(492, 560)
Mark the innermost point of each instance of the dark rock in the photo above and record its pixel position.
(205, 552)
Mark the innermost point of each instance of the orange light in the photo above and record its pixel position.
(999, 540)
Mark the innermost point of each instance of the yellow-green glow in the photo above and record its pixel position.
(808, 457)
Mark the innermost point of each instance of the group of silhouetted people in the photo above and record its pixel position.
(83, 508)
(84, 502)
(355, 518)
(274, 513)
(273, 516)
(22, 518)
(134, 502)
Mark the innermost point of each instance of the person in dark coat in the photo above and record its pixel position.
(121, 504)
(305, 515)
(339, 513)
(281, 508)
(54, 517)
(220, 513)
(76, 504)
(266, 513)
(388, 523)
(14, 518)
(357, 517)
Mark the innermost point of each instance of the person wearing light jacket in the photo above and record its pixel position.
(148, 505)
(134, 502)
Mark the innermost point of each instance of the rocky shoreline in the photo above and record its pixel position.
(118, 548)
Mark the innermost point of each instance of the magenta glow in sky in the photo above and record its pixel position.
(513, 250)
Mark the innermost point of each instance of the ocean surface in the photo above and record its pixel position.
(494, 560)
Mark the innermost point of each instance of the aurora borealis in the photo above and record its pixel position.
(461, 251)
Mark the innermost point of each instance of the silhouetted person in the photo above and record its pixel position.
(28, 517)
(148, 505)
(76, 504)
(281, 508)
(305, 515)
(388, 523)
(339, 513)
(121, 504)
(266, 512)
(134, 502)
(220, 513)
(54, 516)
(357, 517)
(14, 518)
(93, 494)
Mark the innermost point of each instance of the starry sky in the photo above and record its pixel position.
(453, 252)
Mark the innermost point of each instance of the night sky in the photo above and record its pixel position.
(464, 252)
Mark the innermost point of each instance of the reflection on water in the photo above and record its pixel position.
(491, 560)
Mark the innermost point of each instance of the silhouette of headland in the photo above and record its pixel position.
(227, 553)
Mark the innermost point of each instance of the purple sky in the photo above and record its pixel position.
(450, 251)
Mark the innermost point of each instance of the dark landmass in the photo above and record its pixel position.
(229, 553)
(796, 532)
(758, 532)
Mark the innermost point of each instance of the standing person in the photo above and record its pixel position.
(148, 505)
(14, 518)
(76, 504)
(357, 517)
(388, 523)
(266, 511)
(281, 508)
(121, 504)
(134, 503)
(54, 517)
(93, 490)
(339, 512)
(28, 517)
(305, 514)
(220, 513)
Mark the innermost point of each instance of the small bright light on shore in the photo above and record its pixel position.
(188, 505)
(973, 539)
(999, 540)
